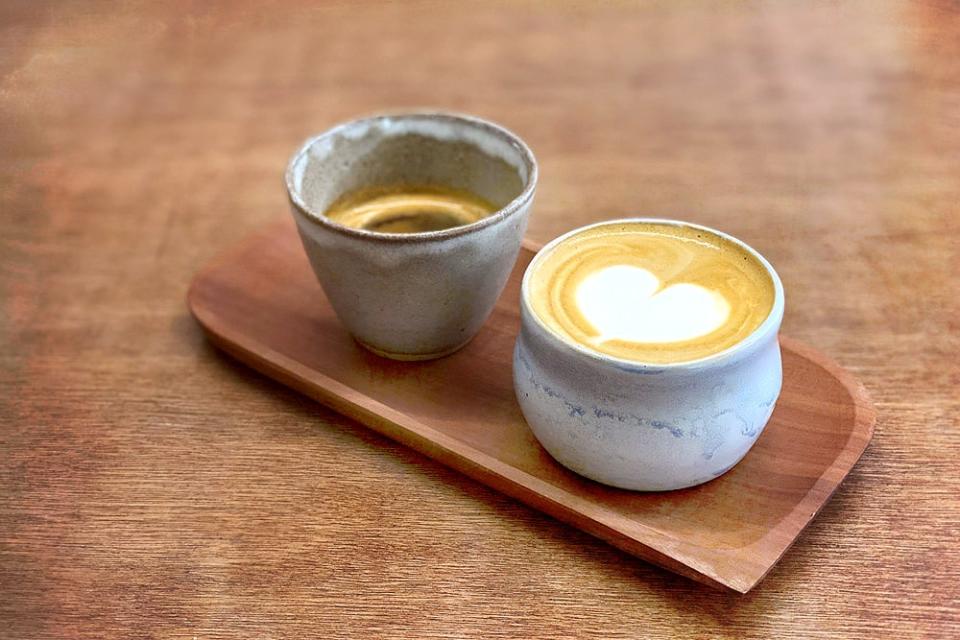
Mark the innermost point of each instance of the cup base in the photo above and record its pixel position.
(662, 485)
(409, 357)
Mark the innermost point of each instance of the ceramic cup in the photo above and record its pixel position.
(646, 427)
(421, 295)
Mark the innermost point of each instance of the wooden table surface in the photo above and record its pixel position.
(150, 487)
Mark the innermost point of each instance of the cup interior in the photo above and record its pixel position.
(446, 150)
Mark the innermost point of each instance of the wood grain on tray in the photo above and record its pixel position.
(261, 303)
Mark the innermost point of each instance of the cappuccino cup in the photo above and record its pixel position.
(648, 356)
(412, 224)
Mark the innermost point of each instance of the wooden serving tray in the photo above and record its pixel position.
(261, 303)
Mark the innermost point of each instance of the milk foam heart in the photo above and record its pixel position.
(625, 302)
(650, 292)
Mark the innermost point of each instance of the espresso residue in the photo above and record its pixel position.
(409, 209)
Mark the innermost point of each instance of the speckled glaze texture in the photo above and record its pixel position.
(647, 427)
(424, 295)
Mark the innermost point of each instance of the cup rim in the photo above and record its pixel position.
(486, 126)
(770, 324)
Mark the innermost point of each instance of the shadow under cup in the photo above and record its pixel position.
(413, 296)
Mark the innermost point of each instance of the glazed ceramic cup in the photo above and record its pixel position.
(647, 427)
(421, 295)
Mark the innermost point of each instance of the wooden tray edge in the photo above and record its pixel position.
(515, 483)
(864, 423)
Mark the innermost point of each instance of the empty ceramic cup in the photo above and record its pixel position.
(413, 296)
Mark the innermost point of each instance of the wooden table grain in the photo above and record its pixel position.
(150, 487)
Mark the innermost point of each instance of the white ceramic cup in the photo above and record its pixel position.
(646, 427)
(413, 296)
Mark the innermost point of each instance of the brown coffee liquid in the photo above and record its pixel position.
(409, 209)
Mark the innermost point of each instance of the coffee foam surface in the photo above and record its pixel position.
(651, 292)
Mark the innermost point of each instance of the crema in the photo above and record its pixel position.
(409, 208)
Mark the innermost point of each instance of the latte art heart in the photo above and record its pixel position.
(650, 291)
(629, 303)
